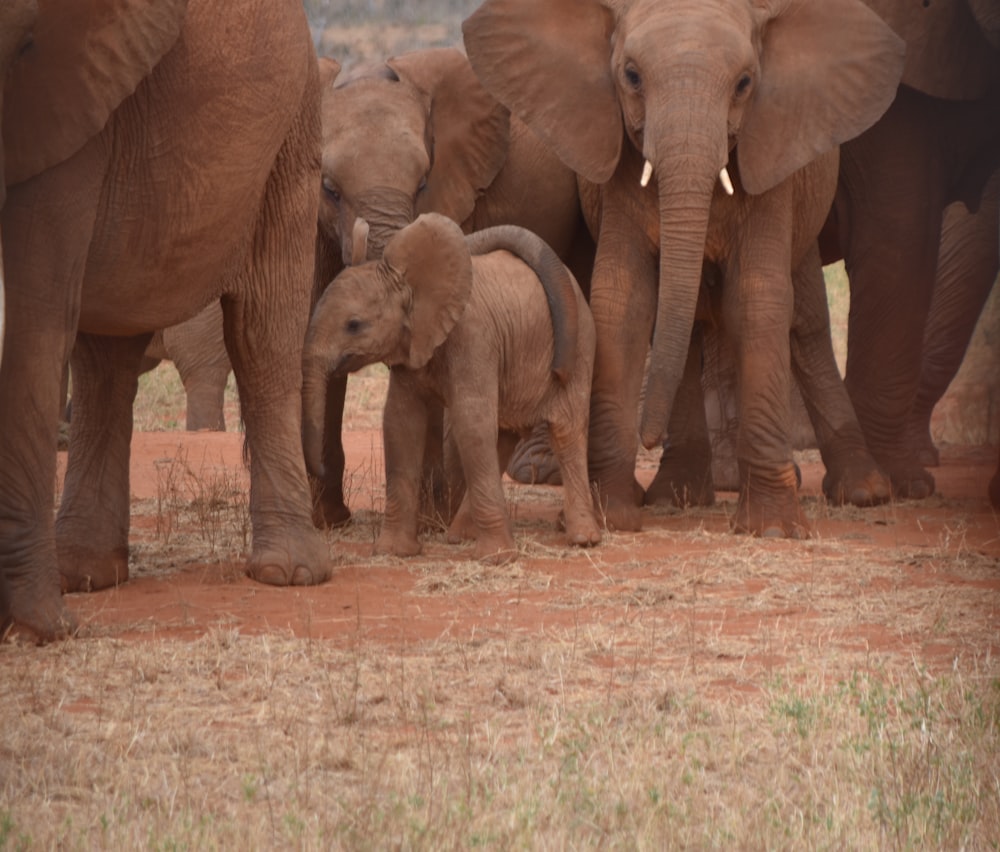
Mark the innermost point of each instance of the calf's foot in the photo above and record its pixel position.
(769, 504)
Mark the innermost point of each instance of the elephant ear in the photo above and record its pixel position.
(85, 59)
(828, 71)
(948, 49)
(329, 68)
(550, 63)
(470, 130)
(431, 258)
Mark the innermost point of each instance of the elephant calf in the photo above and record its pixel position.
(464, 325)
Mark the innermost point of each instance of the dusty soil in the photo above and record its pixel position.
(917, 581)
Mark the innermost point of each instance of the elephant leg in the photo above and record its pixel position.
(329, 506)
(852, 475)
(623, 302)
(967, 268)
(720, 389)
(93, 521)
(994, 489)
(42, 306)
(474, 429)
(463, 525)
(404, 429)
(569, 443)
(684, 477)
(758, 309)
(889, 205)
(437, 503)
(265, 312)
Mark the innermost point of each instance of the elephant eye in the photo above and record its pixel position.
(331, 191)
(354, 326)
(633, 77)
(422, 185)
(743, 85)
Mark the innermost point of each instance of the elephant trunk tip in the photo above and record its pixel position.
(650, 433)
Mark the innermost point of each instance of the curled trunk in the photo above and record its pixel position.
(560, 291)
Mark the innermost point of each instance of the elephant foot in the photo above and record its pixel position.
(496, 549)
(295, 561)
(393, 542)
(683, 479)
(36, 611)
(463, 527)
(769, 505)
(83, 570)
(910, 482)
(533, 461)
(620, 509)
(859, 483)
(329, 508)
(919, 444)
(581, 532)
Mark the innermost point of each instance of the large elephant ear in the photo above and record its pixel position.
(431, 258)
(828, 71)
(470, 129)
(948, 49)
(85, 59)
(550, 63)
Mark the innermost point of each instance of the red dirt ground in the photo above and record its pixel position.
(920, 579)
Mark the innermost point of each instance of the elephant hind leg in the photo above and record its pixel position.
(266, 310)
(93, 522)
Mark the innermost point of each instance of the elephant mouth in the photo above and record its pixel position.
(349, 362)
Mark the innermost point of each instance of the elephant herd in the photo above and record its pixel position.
(633, 175)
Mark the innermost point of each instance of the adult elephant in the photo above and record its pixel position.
(420, 134)
(678, 90)
(170, 150)
(937, 144)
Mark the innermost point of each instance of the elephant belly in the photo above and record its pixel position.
(182, 199)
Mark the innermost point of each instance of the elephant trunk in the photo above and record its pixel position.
(560, 291)
(387, 211)
(687, 172)
(316, 368)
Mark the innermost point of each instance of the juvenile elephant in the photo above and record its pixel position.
(420, 134)
(737, 108)
(502, 338)
(158, 155)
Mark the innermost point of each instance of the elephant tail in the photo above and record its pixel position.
(561, 290)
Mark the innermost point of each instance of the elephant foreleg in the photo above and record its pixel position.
(623, 302)
(404, 430)
(852, 475)
(93, 522)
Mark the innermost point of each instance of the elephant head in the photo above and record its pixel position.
(397, 310)
(692, 85)
(417, 134)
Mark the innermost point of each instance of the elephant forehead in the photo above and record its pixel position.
(701, 26)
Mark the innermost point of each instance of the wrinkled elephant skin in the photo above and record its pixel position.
(146, 241)
(619, 93)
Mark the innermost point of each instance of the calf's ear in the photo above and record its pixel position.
(431, 259)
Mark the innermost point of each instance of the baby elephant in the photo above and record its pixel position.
(491, 326)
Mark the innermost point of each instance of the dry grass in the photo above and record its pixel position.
(735, 695)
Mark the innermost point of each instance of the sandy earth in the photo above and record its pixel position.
(920, 580)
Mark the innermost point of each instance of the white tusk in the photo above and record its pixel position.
(647, 173)
(725, 180)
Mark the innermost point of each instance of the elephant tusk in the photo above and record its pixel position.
(647, 173)
(726, 181)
